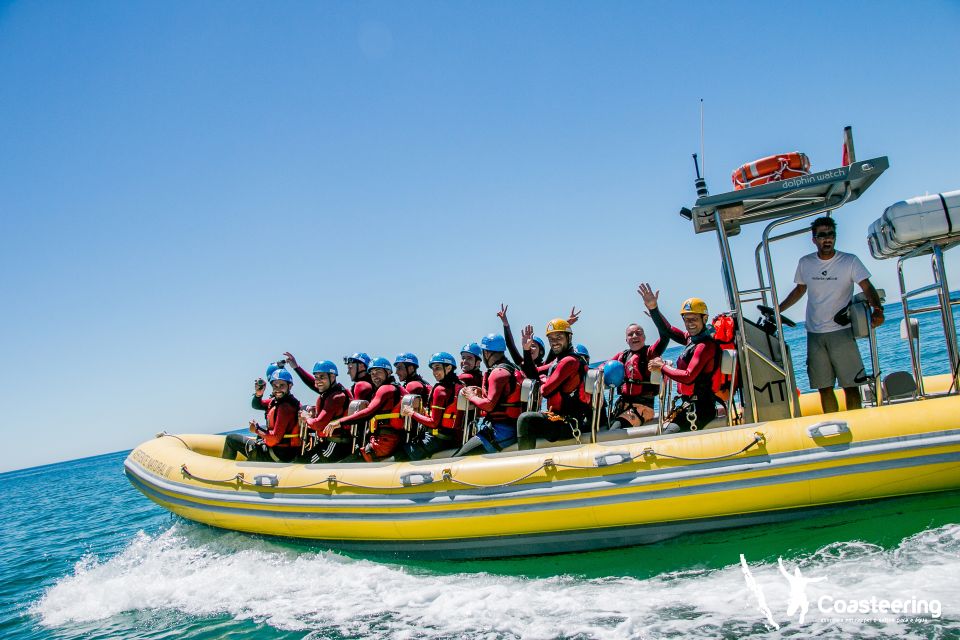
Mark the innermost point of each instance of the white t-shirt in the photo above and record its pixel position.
(829, 287)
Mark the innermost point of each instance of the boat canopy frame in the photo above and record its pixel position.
(778, 204)
(944, 305)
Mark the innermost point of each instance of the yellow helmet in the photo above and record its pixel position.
(558, 325)
(694, 305)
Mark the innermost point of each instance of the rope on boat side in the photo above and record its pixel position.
(237, 478)
(164, 434)
(448, 476)
(332, 481)
(758, 438)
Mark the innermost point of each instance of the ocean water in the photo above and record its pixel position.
(86, 556)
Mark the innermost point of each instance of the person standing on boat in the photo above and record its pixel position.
(695, 366)
(828, 276)
(442, 423)
(406, 365)
(561, 385)
(637, 394)
(332, 444)
(279, 440)
(357, 364)
(498, 398)
(470, 360)
(386, 431)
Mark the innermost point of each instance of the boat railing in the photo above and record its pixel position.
(944, 306)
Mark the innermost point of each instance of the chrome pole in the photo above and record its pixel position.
(741, 335)
(946, 312)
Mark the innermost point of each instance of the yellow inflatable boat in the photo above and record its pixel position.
(610, 493)
(775, 457)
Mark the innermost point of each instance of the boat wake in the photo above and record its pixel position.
(203, 573)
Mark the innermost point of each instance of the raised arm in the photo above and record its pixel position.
(527, 365)
(515, 354)
(303, 375)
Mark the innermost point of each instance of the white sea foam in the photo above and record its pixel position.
(214, 573)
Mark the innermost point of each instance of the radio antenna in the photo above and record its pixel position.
(703, 157)
(701, 182)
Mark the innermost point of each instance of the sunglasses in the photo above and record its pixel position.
(825, 234)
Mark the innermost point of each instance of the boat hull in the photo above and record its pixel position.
(572, 498)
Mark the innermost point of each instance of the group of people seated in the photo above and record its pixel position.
(372, 421)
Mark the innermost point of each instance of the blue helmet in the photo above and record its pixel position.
(325, 366)
(472, 348)
(442, 357)
(539, 341)
(613, 373)
(406, 358)
(273, 367)
(381, 363)
(281, 374)
(360, 357)
(493, 342)
(581, 350)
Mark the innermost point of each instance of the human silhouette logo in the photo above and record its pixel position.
(798, 590)
(798, 602)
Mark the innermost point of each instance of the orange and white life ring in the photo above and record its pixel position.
(771, 169)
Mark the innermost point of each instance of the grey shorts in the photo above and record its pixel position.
(833, 356)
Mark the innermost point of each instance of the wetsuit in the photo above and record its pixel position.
(471, 378)
(307, 378)
(279, 441)
(331, 404)
(387, 434)
(362, 388)
(693, 373)
(568, 407)
(500, 401)
(418, 386)
(637, 388)
(443, 425)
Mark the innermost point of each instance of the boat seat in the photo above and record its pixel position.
(899, 385)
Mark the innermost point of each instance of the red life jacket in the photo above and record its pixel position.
(724, 334)
(508, 405)
(390, 419)
(636, 376)
(291, 435)
(451, 419)
(577, 401)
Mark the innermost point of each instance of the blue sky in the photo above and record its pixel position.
(190, 189)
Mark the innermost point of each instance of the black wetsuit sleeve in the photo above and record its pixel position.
(528, 366)
(511, 345)
(257, 403)
(664, 328)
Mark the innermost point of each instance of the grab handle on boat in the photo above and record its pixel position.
(827, 429)
(266, 480)
(416, 478)
(613, 457)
